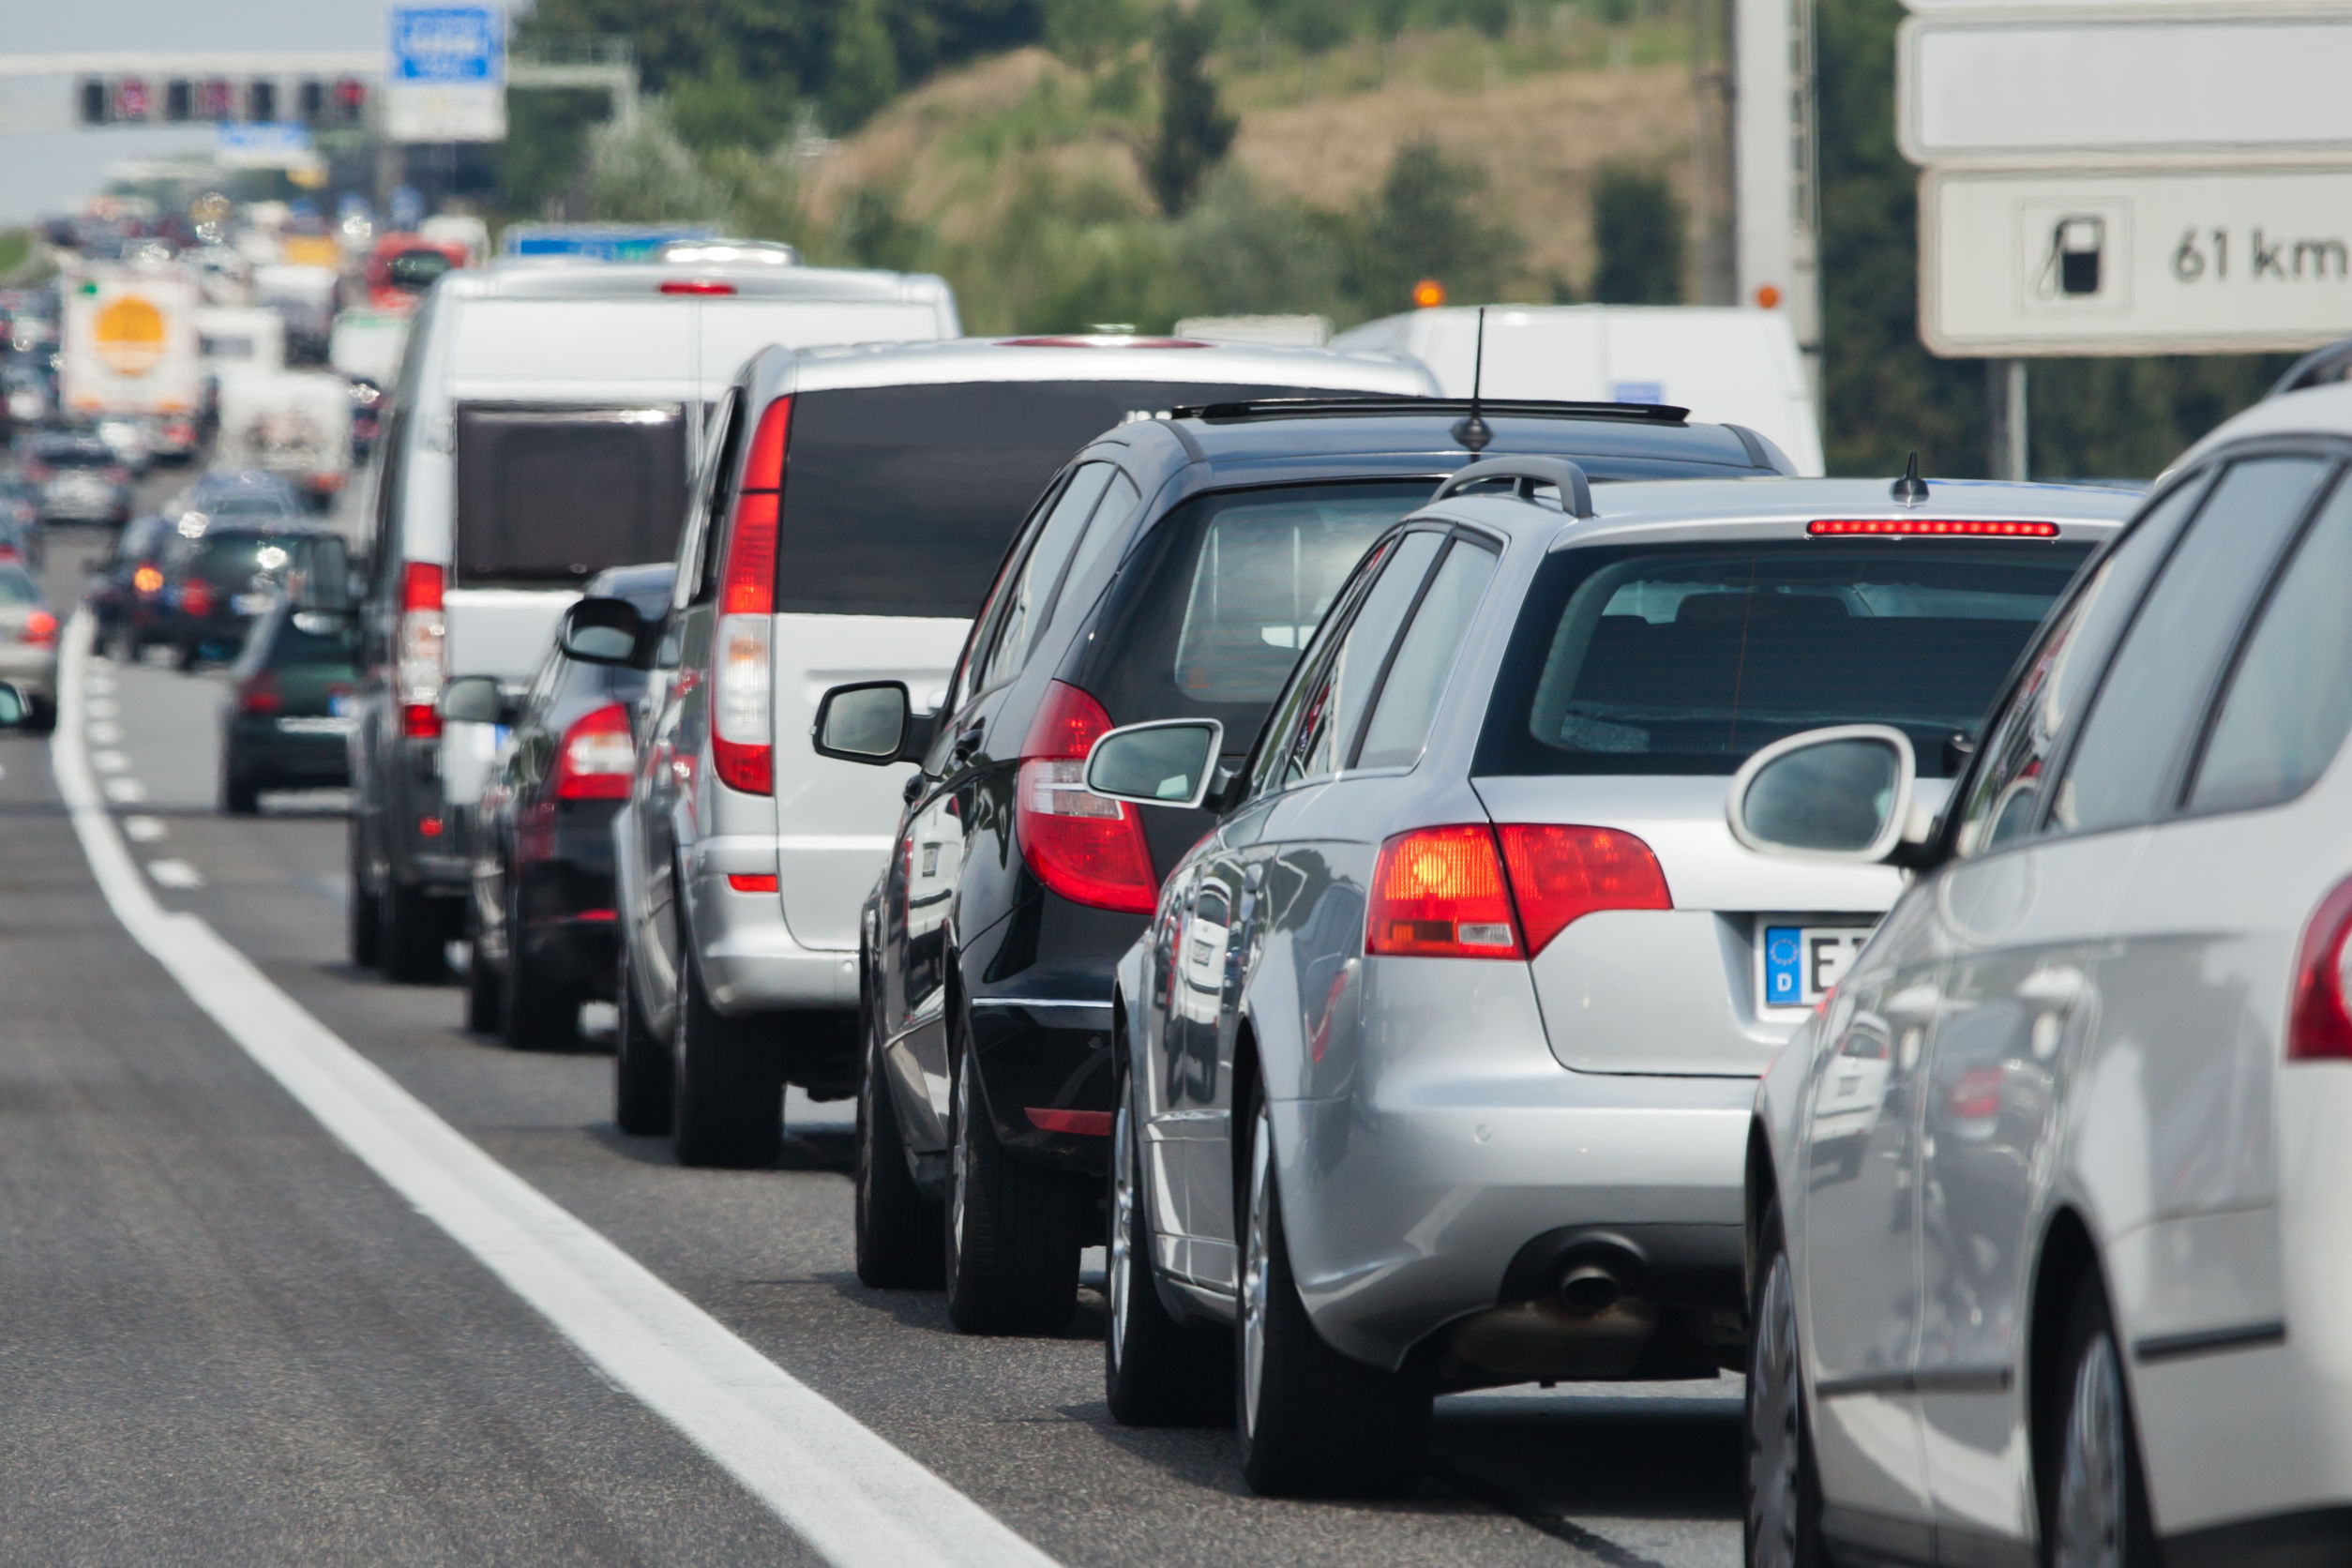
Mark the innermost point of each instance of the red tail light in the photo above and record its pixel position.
(147, 579)
(597, 757)
(196, 597)
(752, 882)
(1089, 849)
(1975, 1095)
(2319, 1027)
(40, 629)
(259, 694)
(742, 679)
(1439, 893)
(422, 652)
(1561, 874)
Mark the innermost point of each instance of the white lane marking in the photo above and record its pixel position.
(839, 1486)
(126, 791)
(102, 707)
(143, 830)
(110, 762)
(174, 874)
(104, 732)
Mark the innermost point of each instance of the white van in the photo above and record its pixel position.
(1727, 365)
(541, 430)
(230, 338)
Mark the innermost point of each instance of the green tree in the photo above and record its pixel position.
(547, 133)
(1637, 228)
(870, 230)
(1088, 32)
(722, 108)
(1194, 128)
(862, 67)
(1239, 252)
(1429, 220)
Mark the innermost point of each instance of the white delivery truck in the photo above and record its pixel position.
(129, 341)
(239, 339)
(292, 423)
(1729, 365)
(365, 345)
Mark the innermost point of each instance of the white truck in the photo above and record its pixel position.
(129, 341)
(293, 423)
(1729, 364)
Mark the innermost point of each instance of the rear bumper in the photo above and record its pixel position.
(261, 750)
(749, 958)
(32, 669)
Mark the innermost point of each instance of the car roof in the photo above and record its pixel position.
(2322, 411)
(1082, 357)
(1659, 510)
(592, 281)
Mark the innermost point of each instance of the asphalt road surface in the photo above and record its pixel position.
(229, 1334)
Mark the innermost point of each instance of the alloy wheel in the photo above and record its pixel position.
(1121, 1243)
(1254, 1271)
(959, 1160)
(2091, 1499)
(1774, 1439)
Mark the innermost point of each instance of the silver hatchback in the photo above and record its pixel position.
(1439, 1055)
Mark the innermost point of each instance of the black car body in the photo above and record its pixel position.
(217, 578)
(541, 913)
(287, 723)
(1175, 568)
(126, 588)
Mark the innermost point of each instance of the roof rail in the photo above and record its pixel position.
(1524, 473)
(1375, 404)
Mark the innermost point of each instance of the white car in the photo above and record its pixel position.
(2062, 1276)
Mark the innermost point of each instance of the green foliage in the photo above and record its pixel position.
(722, 108)
(1490, 17)
(644, 173)
(871, 230)
(1429, 220)
(547, 134)
(1086, 33)
(1238, 252)
(1637, 228)
(1194, 128)
(862, 70)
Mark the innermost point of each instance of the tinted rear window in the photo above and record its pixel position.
(1687, 660)
(227, 560)
(900, 500)
(306, 639)
(560, 494)
(1213, 611)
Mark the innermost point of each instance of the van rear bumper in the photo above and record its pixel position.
(749, 960)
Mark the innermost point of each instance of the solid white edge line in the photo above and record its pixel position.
(844, 1490)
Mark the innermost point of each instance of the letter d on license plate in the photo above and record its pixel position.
(1802, 962)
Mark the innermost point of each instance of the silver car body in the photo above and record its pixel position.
(1447, 1129)
(2080, 1022)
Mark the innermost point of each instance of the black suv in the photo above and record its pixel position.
(1175, 568)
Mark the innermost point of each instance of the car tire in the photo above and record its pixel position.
(1156, 1371)
(535, 1013)
(42, 717)
(642, 1085)
(899, 1245)
(727, 1083)
(485, 998)
(2097, 1514)
(364, 939)
(1784, 1490)
(240, 796)
(408, 935)
(184, 657)
(1012, 1230)
(1311, 1421)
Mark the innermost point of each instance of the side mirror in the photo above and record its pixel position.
(872, 722)
(1171, 762)
(475, 700)
(601, 631)
(1841, 793)
(15, 711)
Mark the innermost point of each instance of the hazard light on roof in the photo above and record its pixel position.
(1940, 527)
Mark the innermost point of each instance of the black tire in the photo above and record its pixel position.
(535, 1013)
(409, 936)
(641, 1069)
(364, 939)
(1311, 1421)
(1156, 1371)
(899, 1245)
(42, 716)
(728, 1082)
(184, 657)
(240, 796)
(2088, 1453)
(1012, 1230)
(1784, 1490)
(485, 997)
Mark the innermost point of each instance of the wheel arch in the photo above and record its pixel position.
(2067, 1256)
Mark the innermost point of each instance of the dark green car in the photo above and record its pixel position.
(289, 719)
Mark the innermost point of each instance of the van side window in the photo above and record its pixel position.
(1032, 584)
(2289, 701)
(383, 569)
(698, 560)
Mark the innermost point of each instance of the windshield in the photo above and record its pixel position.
(1687, 660)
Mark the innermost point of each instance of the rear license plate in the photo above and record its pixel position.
(249, 604)
(1802, 963)
(315, 726)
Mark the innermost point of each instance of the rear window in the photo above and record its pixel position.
(306, 638)
(558, 494)
(1224, 594)
(75, 454)
(1687, 660)
(232, 560)
(901, 500)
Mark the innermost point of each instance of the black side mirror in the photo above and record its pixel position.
(602, 631)
(872, 722)
(475, 700)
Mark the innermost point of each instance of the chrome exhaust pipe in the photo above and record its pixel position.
(1587, 1289)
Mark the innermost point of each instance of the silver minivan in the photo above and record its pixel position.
(541, 430)
(2047, 1204)
(856, 507)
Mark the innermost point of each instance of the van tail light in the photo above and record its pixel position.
(258, 694)
(196, 598)
(1439, 893)
(742, 674)
(2319, 1026)
(597, 757)
(41, 629)
(421, 652)
(1560, 874)
(1089, 849)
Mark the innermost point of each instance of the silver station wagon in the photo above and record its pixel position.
(1437, 1059)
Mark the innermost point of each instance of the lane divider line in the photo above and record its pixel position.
(855, 1498)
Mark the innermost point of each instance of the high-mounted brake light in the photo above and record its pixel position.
(421, 652)
(597, 757)
(1560, 874)
(697, 286)
(2319, 1023)
(1932, 527)
(742, 679)
(1089, 849)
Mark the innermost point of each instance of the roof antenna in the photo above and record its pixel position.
(1472, 429)
(1910, 489)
